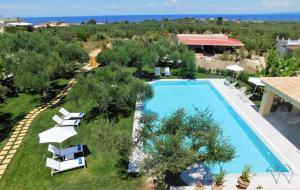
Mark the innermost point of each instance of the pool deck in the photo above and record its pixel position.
(277, 143)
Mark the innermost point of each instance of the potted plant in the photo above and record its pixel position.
(219, 180)
(198, 186)
(244, 179)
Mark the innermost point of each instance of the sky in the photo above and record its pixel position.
(36, 8)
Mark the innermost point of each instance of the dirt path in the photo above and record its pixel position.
(95, 52)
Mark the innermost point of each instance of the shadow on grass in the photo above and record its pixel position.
(7, 123)
(86, 151)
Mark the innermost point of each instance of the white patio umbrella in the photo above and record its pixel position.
(235, 68)
(57, 134)
(256, 81)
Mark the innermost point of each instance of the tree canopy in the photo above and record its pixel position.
(145, 52)
(181, 140)
(277, 65)
(36, 58)
(111, 90)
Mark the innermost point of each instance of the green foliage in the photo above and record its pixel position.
(226, 56)
(37, 58)
(220, 21)
(281, 66)
(272, 64)
(188, 67)
(82, 36)
(111, 90)
(257, 37)
(32, 70)
(145, 52)
(66, 35)
(297, 53)
(246, 173)
(107, 152)
(91, 22)
(99, 36)
(169, 152)
(3, 91)
(72, 52)
(219, 178)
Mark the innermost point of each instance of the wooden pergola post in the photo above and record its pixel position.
(266, 102)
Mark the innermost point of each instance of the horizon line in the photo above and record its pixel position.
(181, 14)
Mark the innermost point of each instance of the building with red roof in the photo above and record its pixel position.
(212, 43)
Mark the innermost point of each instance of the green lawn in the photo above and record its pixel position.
(104, 167)
(13, 110)
(16, 108)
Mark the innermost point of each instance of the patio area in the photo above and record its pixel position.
(291, 132)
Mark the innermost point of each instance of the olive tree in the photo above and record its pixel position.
(112, 91)
(180, 140)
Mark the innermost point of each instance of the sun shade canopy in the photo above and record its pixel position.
(256, 81)
(57, 134)
(235, 68)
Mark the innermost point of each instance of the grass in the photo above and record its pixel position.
(105, 169)
(16, 108)
(13, 110)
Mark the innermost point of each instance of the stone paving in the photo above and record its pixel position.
(10, 148)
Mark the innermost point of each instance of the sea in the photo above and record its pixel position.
(141, 18)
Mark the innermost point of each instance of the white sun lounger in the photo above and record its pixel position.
(61, 122)
(66, 151)
(157, 71)
(57, 166)
(167, 71)
(69, 115)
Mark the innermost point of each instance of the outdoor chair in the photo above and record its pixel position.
(68, 115)
(62, 166)
(61, 122)
(157, 71)
(167, 71)
(227, 81)
(64, 153)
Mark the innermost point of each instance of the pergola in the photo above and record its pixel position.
(288, 88)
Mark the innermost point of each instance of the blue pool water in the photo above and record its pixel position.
(171, 95)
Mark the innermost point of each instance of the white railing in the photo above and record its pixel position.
(288, 175)
(276, 174)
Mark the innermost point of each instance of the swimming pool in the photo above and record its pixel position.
(250, 149)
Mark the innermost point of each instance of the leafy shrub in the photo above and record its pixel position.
(112, 90)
